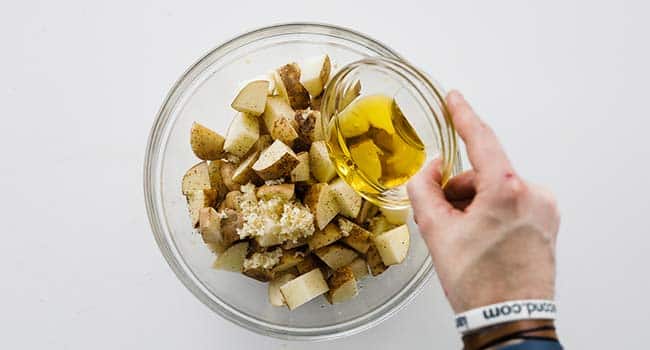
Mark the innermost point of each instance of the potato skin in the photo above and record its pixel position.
(297, 94)
(206, 144)
(283, 161)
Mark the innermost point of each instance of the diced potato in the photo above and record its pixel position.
(251, 98)
(349, 201)
(206, 144)
(393, 245)
(310, 126)
(197, 178)
(322, 203)
(314, 74)
(210, 226)
(359, 268)
(396, 217)
(374, 261)
(197, 200)
(275, 296)
(304, 288)
(379, 225)
(244, 173)
(276, 161)
(259, 273)
(230, 223)
(301, 171)
(308, 263)
(276, 109)
(287, 81)
(242, 134)
(356, 236)
(336, 255)
(330, 234)
(320, 163)
(233, 258)
(284, 131)
(283, 191)
(368, 211)
(227, 171)
(232, 201)
(288, 260)
(343, 286)
(288, 245)
(366, 155)
(216, 182)
(263, 143)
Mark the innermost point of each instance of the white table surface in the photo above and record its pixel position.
(564, 84)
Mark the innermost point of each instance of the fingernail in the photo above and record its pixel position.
(455, 97)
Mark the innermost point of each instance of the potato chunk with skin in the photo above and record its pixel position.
(206, 144)
(216, 182)
(374, 261)
(196, 200)
(356, 236)
(336, 255)
(252, 97)
(343, 286)
(288, 260)
(304, 288)
(244, 173)
(227, 171)
(288, 84)
(396, 217)
(359, 268)
(307, 264)
(284, 191)
(367, 211)
(276, 161)
(349, 201)
(197, 178)
(310, 127)
(330, 234)
(314, 74)
(321, 202)
(320, 163)
(243, 132)
(393, 245)
(275, 296)
(301, 171)
(233, 258)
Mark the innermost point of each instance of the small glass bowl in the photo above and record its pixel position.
(420, 99)
(203, 94)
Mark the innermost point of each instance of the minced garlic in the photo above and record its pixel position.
(288, 220)
(264, 260)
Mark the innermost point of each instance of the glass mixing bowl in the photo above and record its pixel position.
(204, 94)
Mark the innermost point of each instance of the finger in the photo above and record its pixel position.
(426, 195)
(483, 147)
(461, 187)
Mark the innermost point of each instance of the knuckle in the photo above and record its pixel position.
(512, 190)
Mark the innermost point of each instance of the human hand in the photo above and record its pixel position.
(491, 235)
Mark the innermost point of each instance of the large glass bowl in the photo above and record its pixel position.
(204, 94)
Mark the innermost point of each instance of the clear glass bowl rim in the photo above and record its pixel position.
(153, 163)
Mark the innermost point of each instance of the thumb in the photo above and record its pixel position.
(428, 200)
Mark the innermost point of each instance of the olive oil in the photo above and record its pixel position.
(373, 145)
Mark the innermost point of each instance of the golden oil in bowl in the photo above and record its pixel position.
(384, 119)
(374, 146)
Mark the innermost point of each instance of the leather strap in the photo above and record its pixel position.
(490, 336)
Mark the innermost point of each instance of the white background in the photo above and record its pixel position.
(564, 84)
